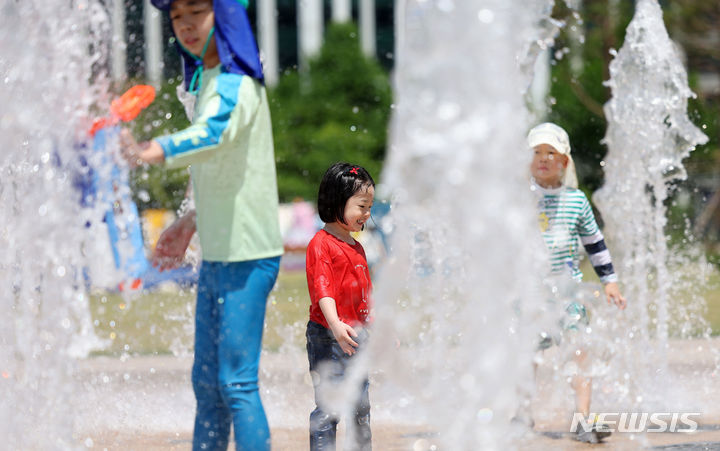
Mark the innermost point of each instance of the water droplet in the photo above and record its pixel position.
(486, 15)
(448, 111)
(485, 415)
(446, 5)
(467, 381)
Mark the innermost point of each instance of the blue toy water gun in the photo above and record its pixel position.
(109, 185)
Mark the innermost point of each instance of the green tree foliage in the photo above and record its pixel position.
(693, 23)
(336, 110)
(578, 93)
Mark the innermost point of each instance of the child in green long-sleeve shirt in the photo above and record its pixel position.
(229, 150)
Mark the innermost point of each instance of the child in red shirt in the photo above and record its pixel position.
(339, 286)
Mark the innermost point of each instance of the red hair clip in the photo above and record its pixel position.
(354, 171)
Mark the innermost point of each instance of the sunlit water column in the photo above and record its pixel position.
(648, 136)
(464, 233)
(44, 86)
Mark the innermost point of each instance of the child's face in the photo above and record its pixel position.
(192, 21)
(548, 166)
(357, 209)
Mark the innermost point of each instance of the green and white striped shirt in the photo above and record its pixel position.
(566, 221)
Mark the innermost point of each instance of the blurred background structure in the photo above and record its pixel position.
(288, 31)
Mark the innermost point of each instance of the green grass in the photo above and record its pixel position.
(163, 322)
(287, 312)
(710, 291)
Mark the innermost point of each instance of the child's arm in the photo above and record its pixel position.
(594, 242)
(136, 154)
(199, 141)
(227, 108)
(612, 294)
(174, 241)
(341, 331)
(602, 264)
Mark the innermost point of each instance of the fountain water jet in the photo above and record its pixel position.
(648, 136)
(463, 218)
(45, 73)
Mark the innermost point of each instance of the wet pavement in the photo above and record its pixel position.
(146, 403)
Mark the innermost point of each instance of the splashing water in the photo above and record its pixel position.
(45, 71)
(463, 219)
(648, 136)
(463, 213)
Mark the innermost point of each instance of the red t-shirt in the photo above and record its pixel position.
(338, 270)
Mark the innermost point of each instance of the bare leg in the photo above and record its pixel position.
(593, 433)
(583, 391)
(581, 384)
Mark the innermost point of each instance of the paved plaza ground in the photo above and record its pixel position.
(146, 403)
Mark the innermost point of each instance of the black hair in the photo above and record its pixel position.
(340, 182)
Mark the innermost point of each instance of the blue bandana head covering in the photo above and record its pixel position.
(234, 40)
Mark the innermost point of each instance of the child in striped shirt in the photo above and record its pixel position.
(566, 220)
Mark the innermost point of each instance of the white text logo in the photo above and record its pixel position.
(638, 421)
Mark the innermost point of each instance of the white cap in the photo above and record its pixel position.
(557, 137)
(552, 134)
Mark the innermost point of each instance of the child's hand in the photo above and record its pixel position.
(613, 295)
(172, 244)
(343, 333)
(129, 148)
(138, 153)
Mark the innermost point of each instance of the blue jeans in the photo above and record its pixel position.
(229, 322)
(327, 366)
